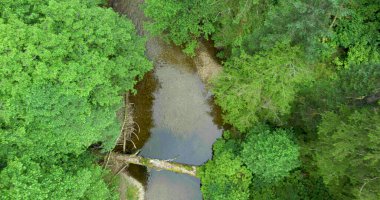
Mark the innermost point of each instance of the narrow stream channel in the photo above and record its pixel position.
(176, 115)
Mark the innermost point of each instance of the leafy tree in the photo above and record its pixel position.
(270, 155)
(181, 21)
(74, 178)
(265, 157)
(261, 87)
(65, 65)
(356, 33)
(296, 186)
(246, 25)
(64, 75)
(225, 176)
(348, 153)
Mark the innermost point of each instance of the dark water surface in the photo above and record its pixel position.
(175, 113)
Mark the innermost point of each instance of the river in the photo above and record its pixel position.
(176, 115)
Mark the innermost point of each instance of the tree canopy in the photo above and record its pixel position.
(65, 65)
(349, 150)
(270, 155)
(264, 158)
(309, 66)
(225, 176)
(300, 87)
(260, 87)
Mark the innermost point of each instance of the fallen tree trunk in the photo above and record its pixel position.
(158, 164)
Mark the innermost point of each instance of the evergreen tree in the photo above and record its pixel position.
(261, 88)
(348, 153)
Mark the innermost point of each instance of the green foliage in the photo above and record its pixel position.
(225, 177)
(302, 22)
(295, 186)
(74, 178)
(237, 19)
(359, 81)
(270, 155)
(256, 25)
(261, 87)
(265, 157)
(181, 22)
(307, 60)
(348, 86)
(64, 65)
(245, 25)
(63, 77)
(357, 33)
(348, 156)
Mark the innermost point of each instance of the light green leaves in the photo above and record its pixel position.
(270, 155)
(264, 158)
(65, 70)
(261, 87)
(64, 66)
(27, 179)
(225, 176)
(180, 22)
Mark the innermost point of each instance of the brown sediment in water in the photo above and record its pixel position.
(207, 65)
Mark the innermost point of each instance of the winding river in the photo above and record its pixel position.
(176, 115)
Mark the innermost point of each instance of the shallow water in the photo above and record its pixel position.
(176, 115)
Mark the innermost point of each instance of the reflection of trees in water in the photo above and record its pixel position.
(180, 105)
(140, 173)
(170, 186)
(216, 114)
(132, 9)
(183, 107)
(142, 108)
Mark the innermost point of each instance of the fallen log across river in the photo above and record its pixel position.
(158, 164)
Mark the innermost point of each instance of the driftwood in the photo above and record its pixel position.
(128, 126)
(158, 164)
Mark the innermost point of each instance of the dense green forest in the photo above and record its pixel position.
(300, 85)
(63, 67)
(300, 88)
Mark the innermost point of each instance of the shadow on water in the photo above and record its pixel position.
(142, 108)
(142, 104)
(176, 115)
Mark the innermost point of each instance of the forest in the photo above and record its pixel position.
(299, 90)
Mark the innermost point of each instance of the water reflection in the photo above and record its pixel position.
(183, 130)
(142, 104)
(176, 114)
(179, 100)
(170, 186)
